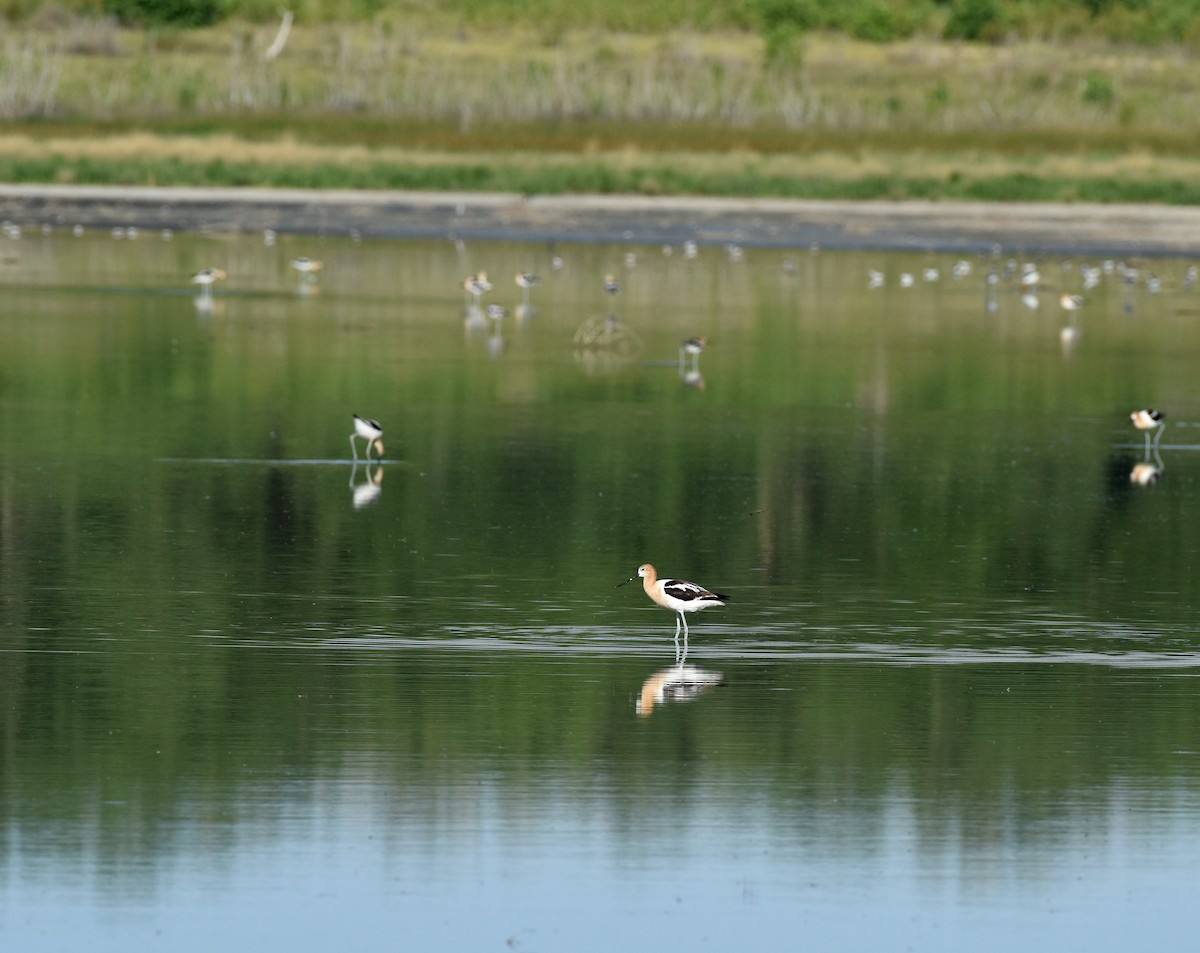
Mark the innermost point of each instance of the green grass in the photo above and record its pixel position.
(591, 176)
(377, 103)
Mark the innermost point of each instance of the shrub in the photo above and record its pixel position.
(174, 13)
(977, 20)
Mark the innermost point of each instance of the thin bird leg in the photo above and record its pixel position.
(353, 448)
(1158, 433)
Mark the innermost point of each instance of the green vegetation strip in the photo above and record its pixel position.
(591, 177)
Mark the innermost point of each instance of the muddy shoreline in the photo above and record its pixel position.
(926, 226)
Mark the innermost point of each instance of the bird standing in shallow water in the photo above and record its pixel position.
(308, 267)
(371, 431)
(526, 280)
(206, 278)
(677, 595)
(1148, 420)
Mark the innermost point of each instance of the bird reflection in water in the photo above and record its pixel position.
(679, 683)
(1147, 471)
(1068, 337)
(691, 376)
(368, 492)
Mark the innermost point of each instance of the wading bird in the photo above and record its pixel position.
(678, 596)
(1147, 420)
(206, 278)
(371, 431)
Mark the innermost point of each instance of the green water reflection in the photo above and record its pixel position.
(950, 592)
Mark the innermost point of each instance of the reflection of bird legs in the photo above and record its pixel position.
(680, 656)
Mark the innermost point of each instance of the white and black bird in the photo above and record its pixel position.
(1147, 420)
(371, 431)
(677, 595)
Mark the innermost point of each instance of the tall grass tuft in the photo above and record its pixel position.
(30, 70)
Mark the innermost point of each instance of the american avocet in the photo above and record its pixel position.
(612, 285)
(497, 312)
(694, 347)
(526, 280)
(1147, 420)
(207, 277)
(1071, 302)
(477, 286)
(371, 431)
(308, 267)
(675, 594)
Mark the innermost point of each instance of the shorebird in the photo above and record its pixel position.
(371, 431)
(675, 594)
(497, 312)
(1147, 420)
(526, 280)
(1071, 302)
(308, 267)
(694, 347)
(206, 278)
(477, 286)
(611, 285)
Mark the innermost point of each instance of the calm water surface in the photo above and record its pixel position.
(255, 695)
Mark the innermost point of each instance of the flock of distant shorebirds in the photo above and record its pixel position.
(683, 597)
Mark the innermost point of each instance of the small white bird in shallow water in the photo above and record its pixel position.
(308, 267)
(677, 595)
(371, 431)
(207, 277)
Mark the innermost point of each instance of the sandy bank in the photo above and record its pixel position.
(947, 226)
